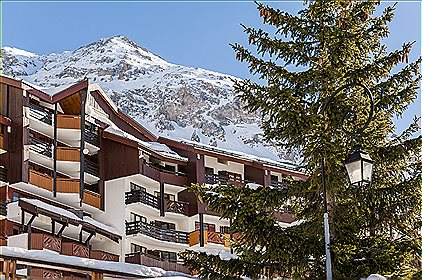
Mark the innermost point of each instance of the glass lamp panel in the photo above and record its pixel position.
(354, 171)
(367, 170)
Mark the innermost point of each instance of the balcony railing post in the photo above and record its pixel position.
(82, 147)
(162, 205)
(55, 153)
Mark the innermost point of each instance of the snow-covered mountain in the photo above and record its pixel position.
(170, 100)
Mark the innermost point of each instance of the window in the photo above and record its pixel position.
(274, 178)
(136, 218)
(168, 256)
(171, 168)
(135, 248)
(222, 161)
(135, 187)
(15, 196)
(16, 229)
(209, 170)
(167, 196)
(224, 229)
(209, 227)
(164, 225)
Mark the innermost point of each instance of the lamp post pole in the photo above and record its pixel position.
(356, 135)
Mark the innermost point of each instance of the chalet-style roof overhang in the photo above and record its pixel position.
(55, 97)
(144, 147)
(58, 214)
(271, 165)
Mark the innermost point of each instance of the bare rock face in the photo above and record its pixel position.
(170, 100)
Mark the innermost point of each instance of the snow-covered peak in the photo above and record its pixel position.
(18, 52)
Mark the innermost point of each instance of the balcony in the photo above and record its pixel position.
(68, 121)
(178, 207)
(68, 154)
(3, 174)
(143, 197)
(279, 185)
(154, 261)
(212, 237)
(40, 241)
(92, 198)
(75, 249)
(213, 179)
(156, 232)
(39, 113)
(92, 168)
(91, 137)
(161, 175)
(64, 185)
(2, 146)
(40, 147)
(103, 256)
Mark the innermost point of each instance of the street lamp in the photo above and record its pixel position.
(359, 167)
(358, 164)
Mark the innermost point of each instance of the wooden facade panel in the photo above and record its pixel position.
(254, 174)
(15, 150)
(120, 160)
(92, 198)
(68, 121)
(40, 180)
(65, 185)
(75, 249)
(72, 104)
(37, 272)
(103, 256)
(68, 154)
(40, 241)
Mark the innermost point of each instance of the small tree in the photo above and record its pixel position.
(306, 58)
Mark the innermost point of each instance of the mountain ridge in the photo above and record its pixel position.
(168, 99)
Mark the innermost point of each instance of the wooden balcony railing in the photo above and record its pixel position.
(67, 185)
(3, 174)
(92, 168)
(156, 232)
(92, 198)
(178, 207)
(279, 185)
(92, 137)
(224, 180)
(143, 197)
(154, 261)
(212, 237)
(40, 113)
(68, 121)
(163, 175)
(41, 241)
(68, 154)
(103, 256)
(40, 180)
(40, 147)
(75, 249)
(2, 146)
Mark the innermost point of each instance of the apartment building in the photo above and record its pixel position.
(81, 178)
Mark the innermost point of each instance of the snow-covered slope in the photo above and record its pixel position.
(171, 100)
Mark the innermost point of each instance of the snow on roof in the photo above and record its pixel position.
(236, 154)
(223, 255)
(51, 208)
(54, 90)
(159, 148)
(89, 264)
(163, 150)
(70, 215)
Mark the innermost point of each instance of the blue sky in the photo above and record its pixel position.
(188, 33)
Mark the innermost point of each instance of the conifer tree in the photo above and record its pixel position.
(300, 61)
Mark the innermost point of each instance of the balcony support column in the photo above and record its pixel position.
(201, 230)
(82, 147)
(55, 152)
(162, 200)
